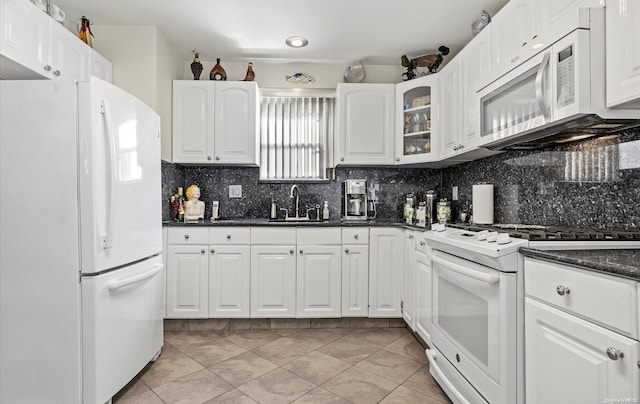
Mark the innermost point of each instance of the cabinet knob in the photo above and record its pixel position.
(291, 252)
(186, 237)
(355, 236)
(301, 252)
(397, 158)
(56, 73)
(208, 157)
(217, 157)
(212, 251)
(534, 36)
(562, 290)
(341, 158)
(346, 251)
(422, 243)
(47, 68)
(524, 44)
(410, 236)
(228, 236)
(614, 354)
(202, 251)
(515, 59)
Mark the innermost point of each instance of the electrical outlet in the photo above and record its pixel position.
(235, 191)
(454, 193)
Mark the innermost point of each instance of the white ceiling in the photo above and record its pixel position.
(339, 31)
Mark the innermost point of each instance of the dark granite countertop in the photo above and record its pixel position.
(620, 262)
(307, 223)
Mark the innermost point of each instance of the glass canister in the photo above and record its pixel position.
(430, 199)
(409, 208)
(443, 211)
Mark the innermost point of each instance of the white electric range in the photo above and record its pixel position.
(477, 303)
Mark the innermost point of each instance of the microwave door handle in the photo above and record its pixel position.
(544, 108)
(484, 277)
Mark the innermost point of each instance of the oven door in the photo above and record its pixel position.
(474, 323)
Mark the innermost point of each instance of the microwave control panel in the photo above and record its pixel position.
(566, 77)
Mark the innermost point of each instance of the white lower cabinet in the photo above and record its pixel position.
(423, 291)
(408, 302)
(355, 272)
(319, 281)
(229, 273)
(567, 359)
(273, 281)
(385, 272)
(187, 281)
(581, 336)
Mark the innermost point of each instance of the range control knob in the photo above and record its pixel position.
(482, 235)
(503, 238)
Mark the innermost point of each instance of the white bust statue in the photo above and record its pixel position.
(193, 207)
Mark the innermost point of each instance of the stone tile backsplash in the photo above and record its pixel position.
(591, 183)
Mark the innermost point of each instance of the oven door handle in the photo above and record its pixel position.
(486, 278)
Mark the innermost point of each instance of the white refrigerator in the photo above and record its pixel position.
(81, 270)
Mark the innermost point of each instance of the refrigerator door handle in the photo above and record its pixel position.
(107, 239)
(121, 283)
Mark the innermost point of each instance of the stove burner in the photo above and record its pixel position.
(551, 233)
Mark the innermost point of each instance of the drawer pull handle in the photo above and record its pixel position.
(614, 354)
(355, 236)
(228, 236)
(346, 251)
(212, 251)
(410, 236)
(186, 237)
(202, 251)
(562, 290)
(422, 243)
(291, 252)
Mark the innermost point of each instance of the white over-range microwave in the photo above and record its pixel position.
(558, 95)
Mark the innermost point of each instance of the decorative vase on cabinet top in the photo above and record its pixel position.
(218, 73)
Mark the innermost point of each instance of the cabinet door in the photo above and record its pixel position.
(319, 282)
(385, 272)
(417, 119)
(623, 52)
(273, 281)
(99, 66)
(452, 109)
(69, 55)
(24, 41)
(193, 121)
(235, 128)
(364, 124)
(476, 74)
(567, 362)
(423, 296)
(187, 281)
(510, 33)
(556, 18)
(408, 281)
(229, 275)
(355, 280)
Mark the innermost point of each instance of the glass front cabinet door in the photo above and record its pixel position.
(416, 120)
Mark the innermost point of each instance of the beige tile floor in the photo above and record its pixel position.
(337, 365)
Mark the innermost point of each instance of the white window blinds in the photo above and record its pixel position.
(295, 134)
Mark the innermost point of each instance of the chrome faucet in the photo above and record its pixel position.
(296, 196)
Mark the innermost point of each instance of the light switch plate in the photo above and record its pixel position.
(454, 193)
(235, 191)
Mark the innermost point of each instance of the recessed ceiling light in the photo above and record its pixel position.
(297, 41)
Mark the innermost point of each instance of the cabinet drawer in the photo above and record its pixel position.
(229, 235)
(603, 299)
(271, 236)
(355, 235)
(188, 235)
(325, 235)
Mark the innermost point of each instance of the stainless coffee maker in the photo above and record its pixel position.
(355, 200)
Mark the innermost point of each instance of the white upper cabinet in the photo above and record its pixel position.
(24, 43)
(193, 121)
(364, 124)
(235, 130)
(99, 66)
(69, 55)
(623, 53)
(452, 110)
(215, 122)
(417, 120)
